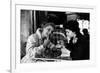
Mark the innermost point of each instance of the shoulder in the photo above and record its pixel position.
(33, 38)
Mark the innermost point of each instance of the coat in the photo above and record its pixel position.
(34, 47)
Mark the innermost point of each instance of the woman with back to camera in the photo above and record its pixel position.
(37, 42)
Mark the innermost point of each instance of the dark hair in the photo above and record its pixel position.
(85, 31)
(47, 24)
(72, 25)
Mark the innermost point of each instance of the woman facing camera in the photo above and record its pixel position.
(37, 43)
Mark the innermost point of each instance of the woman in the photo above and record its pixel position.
(37, 43)
(75, 40)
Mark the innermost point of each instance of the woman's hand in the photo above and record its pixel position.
(52, 46)
(46, 42)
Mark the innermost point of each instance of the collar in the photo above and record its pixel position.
(39, 33)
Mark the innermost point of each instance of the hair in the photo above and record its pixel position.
(72, 25)
(85, 31)
(44, 25)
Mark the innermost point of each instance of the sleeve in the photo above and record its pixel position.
(32, 47)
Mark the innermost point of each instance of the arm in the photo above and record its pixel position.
(33, 47)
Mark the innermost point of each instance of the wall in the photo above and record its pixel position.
(5, 36)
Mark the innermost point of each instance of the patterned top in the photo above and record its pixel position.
(34, 47)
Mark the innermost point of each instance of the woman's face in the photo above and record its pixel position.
(47, 31)
(69, 33)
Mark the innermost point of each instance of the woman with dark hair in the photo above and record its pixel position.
(75, 40)
(37, 43)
